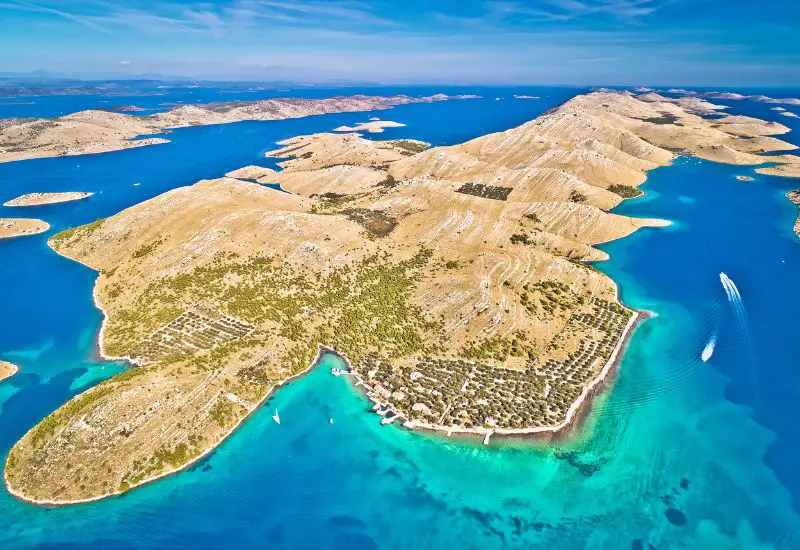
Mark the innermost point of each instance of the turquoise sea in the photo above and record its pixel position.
(677, 453)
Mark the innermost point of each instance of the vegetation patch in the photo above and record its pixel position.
(389, 182)
(520, 238)
(625, 191)
(485, 191)
(81, 231)
(664, 119)
(377, 222)
(409, 147)
(577, 197)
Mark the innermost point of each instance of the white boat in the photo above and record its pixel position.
(276, 418)
(330, 420)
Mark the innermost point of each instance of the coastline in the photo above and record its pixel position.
(179, 118)
(794, 197)
(11, 368)
(575, 414)
(321, 350)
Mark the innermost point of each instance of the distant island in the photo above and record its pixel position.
(373, 126)
(18, 227)
(456, 281)
(40, 199)
(101, 131)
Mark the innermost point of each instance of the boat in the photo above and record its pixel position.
(276, 418)
(330, 420)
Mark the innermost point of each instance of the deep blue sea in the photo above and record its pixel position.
(678, 453)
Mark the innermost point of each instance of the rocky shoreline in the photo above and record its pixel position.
(794, 196)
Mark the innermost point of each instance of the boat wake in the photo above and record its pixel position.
(735, 299)
(708, 351)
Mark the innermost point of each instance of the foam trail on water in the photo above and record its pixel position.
(735, 299)
(708, 351)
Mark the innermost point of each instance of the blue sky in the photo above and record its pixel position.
(584, 42)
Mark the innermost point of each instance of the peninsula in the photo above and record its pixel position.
(456, 281)
(7, 370)
(40, 199)
(98, 131)
(18, 227)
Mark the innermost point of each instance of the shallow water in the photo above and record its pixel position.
(679, 454)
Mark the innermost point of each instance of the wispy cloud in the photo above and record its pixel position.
(569, 10)
(86, 21)
(218, 19)
(622, 9)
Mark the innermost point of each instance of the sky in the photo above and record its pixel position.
(735, 43)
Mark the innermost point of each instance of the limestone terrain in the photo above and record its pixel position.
(453, 279)
(787, 166)
(98, 131)
(39, 199)
(18, 227)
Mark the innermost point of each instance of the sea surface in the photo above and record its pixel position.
(677, 453)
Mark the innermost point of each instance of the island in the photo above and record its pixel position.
(7, 370)
(18, 227)
(40, 199)
(373, 126)
(457, 282)
(101, 131)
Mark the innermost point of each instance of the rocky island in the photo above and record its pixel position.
(98, 131)
(18, 227)
(456, 281)
(40, 199)
(373, 126)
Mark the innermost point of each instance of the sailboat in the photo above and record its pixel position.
(276, 418)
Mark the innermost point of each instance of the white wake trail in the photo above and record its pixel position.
(735, 299)
(708, 351)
